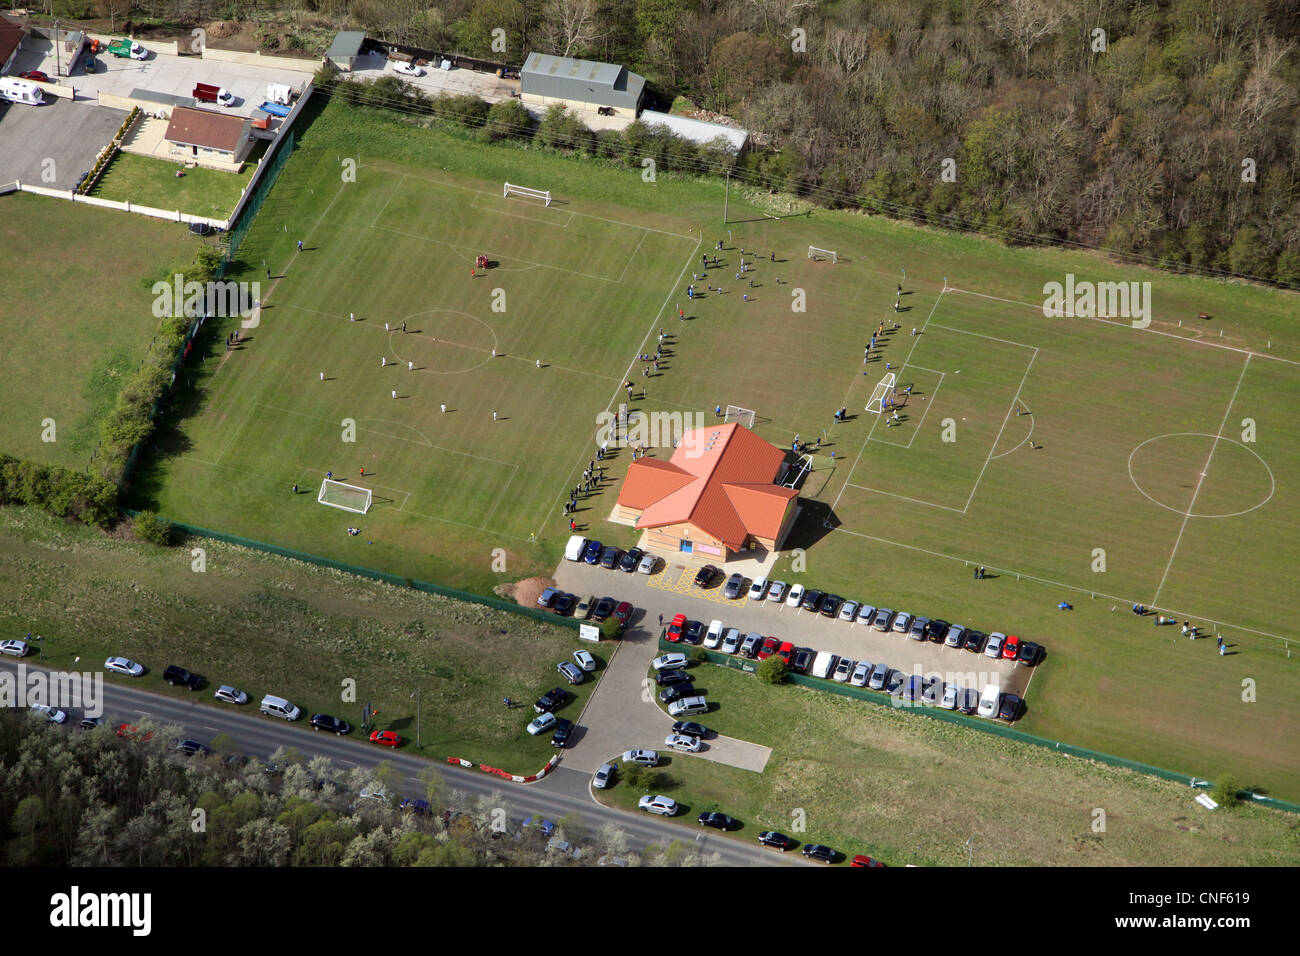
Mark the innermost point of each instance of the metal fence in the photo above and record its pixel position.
(883, 699)
(260, 188)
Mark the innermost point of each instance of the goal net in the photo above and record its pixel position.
(743, 416)
(880, 393)
(542, 194)
(337, 494)
(817, 254)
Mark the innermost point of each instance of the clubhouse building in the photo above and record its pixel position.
(717, 497)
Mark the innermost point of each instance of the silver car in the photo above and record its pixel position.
(848, 611)
(866, 614)
(903, 622)
(956, 636)
(731, 643)
(918, 628)
(994, 647)
(646, 758)
(842, 670)
(647, 565)
(860, 674)
(603, 777)
(878, 675)
(776, 591)
(883, 618)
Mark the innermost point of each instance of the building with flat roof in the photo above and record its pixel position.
(730, 138)
(717, 497)
(211, 139)
(345, 49)
(580, 84)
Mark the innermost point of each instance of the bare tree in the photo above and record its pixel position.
(1024, 22)
(573, 24)
(1264, 92)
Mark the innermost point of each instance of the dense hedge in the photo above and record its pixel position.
(90, 499)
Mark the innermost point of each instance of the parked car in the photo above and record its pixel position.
(230, 695)
(36, 75)
(950, 695)
(718, 821)
(1009, 709)
(931, 691)
(714, 636)
(989, 700)
(603, 609)
(192, 748)
(591, 553)
(758, 589)
(734, 585)
(610, 557)
(803, 659)
(552, 699)
(860, 674)
(564, 602)
(691, 729)
(1029, 652)
(14, 648)
(776, 591)
(861, 860)
(830, 605)
(973, 641)
(52, 714)
(1010, 648)
(647, 564)
(688, 707)
(563, 731)
(878, 675)
(842, 670)
(994, 647)
(795, 597)
(894, 681)
(623, 613)
(542, 722)
(936, 630)
(693, 633)
(816, 851)
(122, 665)
(631, 558)
(90, 723)
(969, 702)
(671, 676)
(767, 648)
(583, 609)
(547, 598)
(682, 742)
(749, 648)
(646, 758)
(409, 69)
(412, 805)
(912, 690)
(664, 806)
(675, 628)
(785, 652)
(812, 600)
(584, 660)
(603, 776)
(668, 661)
(902, 623)
(676, 692)
(778, 841)
(918, 627)
(385, 738)
(571, 672)
(131, 732)
(884, 617)
(731, 642)
(705, 575)
(330, 723)
(956, 636)
(848, 611)
(865, 615)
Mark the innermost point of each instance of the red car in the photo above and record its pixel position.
(861, 860)
(385, 737)
(785, 652)
(36, 75)
(675, 628)
(1010, 648)
(624, 614)
(130, 732)
(768, 648)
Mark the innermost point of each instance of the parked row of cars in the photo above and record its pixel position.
(565, 603)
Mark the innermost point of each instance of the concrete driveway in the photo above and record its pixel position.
(53, 144)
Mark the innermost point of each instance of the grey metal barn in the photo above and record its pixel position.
(580, 84)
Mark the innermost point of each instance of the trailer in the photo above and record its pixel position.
(279, 93)
(20, 91)
(275, 109)
(207, 93)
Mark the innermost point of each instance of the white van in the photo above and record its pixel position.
(989, 701)
(21, 91)
(714, 637)
(823, 664)
(278, 93)
(279, 707)
(574, 549)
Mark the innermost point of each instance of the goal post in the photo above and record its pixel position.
(816, 254)
(743, 416)
(880, 393)
(338, 494)
(512, 188)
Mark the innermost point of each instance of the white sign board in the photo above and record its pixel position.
(589, 632)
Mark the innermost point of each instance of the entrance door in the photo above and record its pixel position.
(687, 547)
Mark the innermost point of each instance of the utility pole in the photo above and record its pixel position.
(416, 695)
(726, 197)
(58, 60)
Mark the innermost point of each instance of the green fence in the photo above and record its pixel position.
(974, 723)
(263, 183)
(396, 580)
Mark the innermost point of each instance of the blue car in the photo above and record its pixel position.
(591, 553)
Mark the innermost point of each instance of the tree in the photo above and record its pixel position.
(741, 64)
(506, 119)
(771, 670)
(573, 23)
(149, 527)
(1025, 22)
(1224, 793)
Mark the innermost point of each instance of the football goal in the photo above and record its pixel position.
(542, 194)
(744, 416)
(337, 494)
(881, 393)
(817, 254)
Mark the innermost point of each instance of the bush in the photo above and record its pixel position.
(465, 110)
(67, 494)
(1225, 791)
(149, 527)
(771, 670)
(508, 119)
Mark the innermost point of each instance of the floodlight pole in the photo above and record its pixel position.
(726, 197)
(416, 695)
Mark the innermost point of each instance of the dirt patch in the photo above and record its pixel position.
(221, 29)
(525, 592)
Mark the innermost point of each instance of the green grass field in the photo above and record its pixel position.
(77, 306)
(1126, 419)
(153, 182)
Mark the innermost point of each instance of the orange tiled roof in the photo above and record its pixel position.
(719, 479)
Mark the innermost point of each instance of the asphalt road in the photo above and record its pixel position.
(563, 792)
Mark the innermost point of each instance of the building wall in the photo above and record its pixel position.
(547, 101)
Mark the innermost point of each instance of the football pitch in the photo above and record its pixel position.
(1081, 460)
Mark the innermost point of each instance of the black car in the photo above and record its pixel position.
(705, 575)
(610, 557)
(693, 632)
(803, 659)
(178, 675)
(670, 676)
(974, 641)
(564, 603)
(552, 699)
(691, 729)
(1028, 653)
(719, 821)
(969, 701)
(816, 851)
(894, 682)
(192, 747)
(778, 840)
(333, 724)
(812, 600)
(603, 609)
(830, 605)
(631, 560)
(677, 692)
(936, 631)
(563, 731)
(1010, 708)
